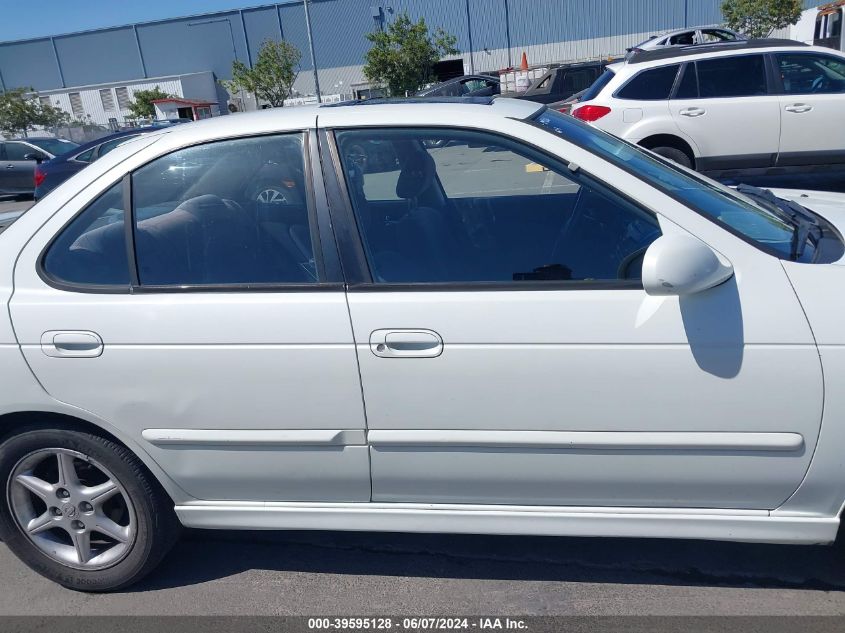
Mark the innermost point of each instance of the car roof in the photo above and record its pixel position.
(416, 111)
(670, 52)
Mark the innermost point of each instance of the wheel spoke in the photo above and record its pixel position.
(82, 544)
(105, 525)
(101, 492)
(67, 470)
(41, 523)
(36, 486)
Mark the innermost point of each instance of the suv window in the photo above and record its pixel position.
(598, 85)
(741, 76)
(91, 250)
(810, 73)
(650, 85)
(229, 212)
(17, 151)
(473, 207)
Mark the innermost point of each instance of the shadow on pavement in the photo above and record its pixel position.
(206, 556)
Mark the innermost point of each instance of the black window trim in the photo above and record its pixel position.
(329, 283)
(630, 80)
(355, 261)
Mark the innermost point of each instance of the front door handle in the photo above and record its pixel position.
(71, 344)
(798, 108)
(10, 166)
(406, 343)
(693, 112)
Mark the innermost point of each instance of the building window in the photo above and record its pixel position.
(45, 101)
(107, 99)
(76, 105)
(123, 99)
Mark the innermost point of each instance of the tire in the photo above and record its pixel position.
(673, 154)
(136, 515)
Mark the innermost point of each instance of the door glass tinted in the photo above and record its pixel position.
(17, 151)
(743, 76)
(688, 86)
(108, 146)
(91, 250)
(811, 74)
(472, 207)
(230, 212)
(649, 85)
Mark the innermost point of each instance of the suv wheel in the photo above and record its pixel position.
(82, 510)
(673, 154)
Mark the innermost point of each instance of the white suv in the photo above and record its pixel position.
(758, 104)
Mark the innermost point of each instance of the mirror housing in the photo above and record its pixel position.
(682, 265)
(38, 157)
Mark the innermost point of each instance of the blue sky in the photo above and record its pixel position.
(20, 19)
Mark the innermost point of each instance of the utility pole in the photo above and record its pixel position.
(313, 57)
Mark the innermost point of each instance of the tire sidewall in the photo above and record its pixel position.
(674, 154)
(112, 457)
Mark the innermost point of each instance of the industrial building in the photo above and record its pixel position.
(93, 74)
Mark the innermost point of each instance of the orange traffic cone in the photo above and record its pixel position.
(524, 64)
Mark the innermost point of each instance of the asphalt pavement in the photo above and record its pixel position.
(346, 573)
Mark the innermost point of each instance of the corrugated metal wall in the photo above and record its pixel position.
(491, 34)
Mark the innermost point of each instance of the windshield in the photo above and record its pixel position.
(756, 223)
(56, 146)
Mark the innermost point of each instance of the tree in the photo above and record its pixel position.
(758, 18)
(21, 110)
(403, 56)
(272, 76)
(142, 105)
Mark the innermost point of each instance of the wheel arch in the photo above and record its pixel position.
(669, 140)
(14, 422)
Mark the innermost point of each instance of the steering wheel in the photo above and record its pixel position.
(819, 83)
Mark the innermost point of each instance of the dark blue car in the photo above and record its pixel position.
(50, 174)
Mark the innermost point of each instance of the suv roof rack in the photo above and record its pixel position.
(669, 52)
(394, 101)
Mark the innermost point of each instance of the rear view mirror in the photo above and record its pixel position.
(682, 265)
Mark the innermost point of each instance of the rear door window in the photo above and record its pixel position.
(740, 76)
(650, 85)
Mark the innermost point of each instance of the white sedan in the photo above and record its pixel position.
(470, 316)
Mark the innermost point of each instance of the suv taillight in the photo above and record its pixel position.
(590, 113)
(39, 176)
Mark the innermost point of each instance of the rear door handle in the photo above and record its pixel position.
(693, 112)
(406, 343)
(71, 344)
(798, 108)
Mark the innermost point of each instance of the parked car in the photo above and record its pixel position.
(48, 175)
(760, 104)
(688, 37)
(466, 86)
(560, 83)
(566, 105)
(18, 158)
(552, 331)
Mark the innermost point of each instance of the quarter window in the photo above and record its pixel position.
(811, 74)
(230, 212)
(650, 85)
(91, 250)
(463, 206)
(743, 76)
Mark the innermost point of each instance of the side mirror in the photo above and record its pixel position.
(38, 157)
(682, 265)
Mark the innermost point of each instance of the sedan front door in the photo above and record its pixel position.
(509, 354)
(16, 172)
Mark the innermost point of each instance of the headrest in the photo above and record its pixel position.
(417, 174)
